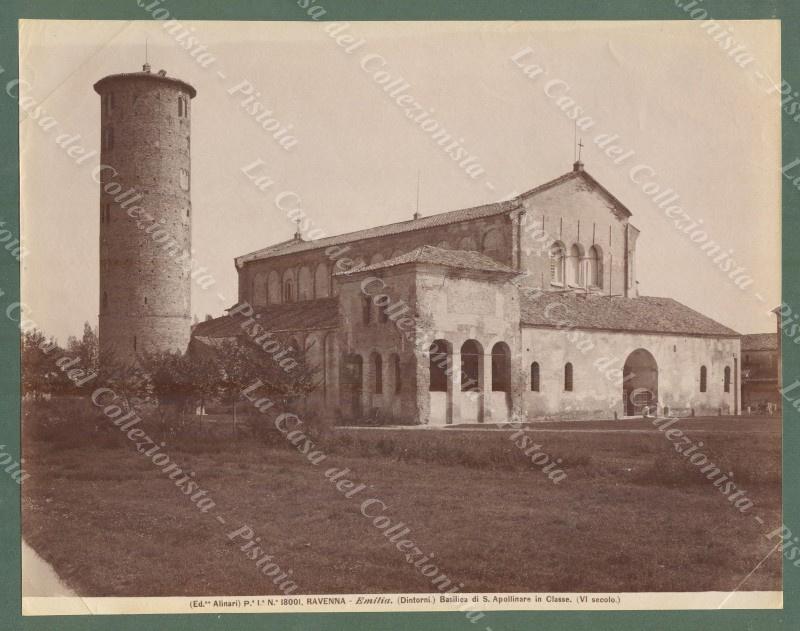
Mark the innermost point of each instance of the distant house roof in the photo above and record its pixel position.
(645, 314)
(294, 246)
(428, 254)
(293, 316)
(760, 342)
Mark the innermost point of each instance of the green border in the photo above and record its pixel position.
(786, 10)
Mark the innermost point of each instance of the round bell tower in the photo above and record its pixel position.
(145, 213)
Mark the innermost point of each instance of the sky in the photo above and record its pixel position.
(667, 91)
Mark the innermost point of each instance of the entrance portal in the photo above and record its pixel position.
(640, 383)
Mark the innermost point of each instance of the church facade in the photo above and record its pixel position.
(526, 308)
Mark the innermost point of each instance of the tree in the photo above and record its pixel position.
(205, 376)
(169, 382)
(236, 367)
(125, 377)
(89, 349)
(40, 375)
(241, 363)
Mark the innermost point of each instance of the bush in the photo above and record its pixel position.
(67, 422)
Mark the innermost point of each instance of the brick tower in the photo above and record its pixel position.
(145, 213)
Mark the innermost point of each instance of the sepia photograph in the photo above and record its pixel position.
(345, 316)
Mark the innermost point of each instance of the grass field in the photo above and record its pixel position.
(631, 515)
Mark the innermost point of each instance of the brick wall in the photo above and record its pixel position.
(144, 290)
(308, 271)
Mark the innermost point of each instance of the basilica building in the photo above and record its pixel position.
(526, 308)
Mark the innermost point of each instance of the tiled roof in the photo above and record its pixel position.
(428, 254)
(645, 314)
(760, 342)
(454, 216)
(155, 76)
(294, 316)
(431, 221)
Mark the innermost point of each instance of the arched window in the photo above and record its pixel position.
(377, 366)
(594, 268)
(305, 284)
(574, 276)
(398, 376)
(273, 288)
(321, 281)
(105, 300)
(440, 358)
(557, 263)
(703, 378)
(501, 368)
(366, 309)
(471, 359)
(535, 387)
(383, 313)
(288, 292)
(568, 377)
(727, 379)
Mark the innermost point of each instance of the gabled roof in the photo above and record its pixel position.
(760, 342)
(428, 254)
(307, 315)
(645, 314)
(294, 246)
(582, 175)
(431, 221)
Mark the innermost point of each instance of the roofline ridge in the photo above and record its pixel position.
(573, 174)
(513, 203)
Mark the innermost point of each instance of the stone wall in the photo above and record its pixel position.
(310, 272)
(598, 358)
(575, 213)
(389, 337)
(456, 311)
(428, 305)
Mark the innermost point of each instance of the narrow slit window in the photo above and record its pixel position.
(535, 385)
